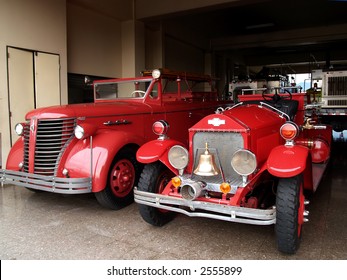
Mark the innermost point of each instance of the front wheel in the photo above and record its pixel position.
(154, 178)
(289, 214)
(122, 177)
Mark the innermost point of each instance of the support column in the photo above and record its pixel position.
(133, 48)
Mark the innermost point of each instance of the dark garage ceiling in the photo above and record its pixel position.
(297, 33)
(301, 34)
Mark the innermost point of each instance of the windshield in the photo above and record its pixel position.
(121, 89)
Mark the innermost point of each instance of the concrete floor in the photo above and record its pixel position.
(52, 226)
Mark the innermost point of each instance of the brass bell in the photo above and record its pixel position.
(207, 165)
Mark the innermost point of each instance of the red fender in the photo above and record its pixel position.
(287, 161)
(157, 150)
(105, 147)
(15, 156)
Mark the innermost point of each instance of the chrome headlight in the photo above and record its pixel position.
(19, 128)
(244, 162)
(178, 157)
(79, 132)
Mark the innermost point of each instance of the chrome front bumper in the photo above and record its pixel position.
(215, 211)
(46, 183)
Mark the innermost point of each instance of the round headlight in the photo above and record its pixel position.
(178, 157)
(19, 128)
(79, 132)
(156, 73)
(244, 162)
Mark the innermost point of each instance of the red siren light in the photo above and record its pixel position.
(160, 127)
(289, 131)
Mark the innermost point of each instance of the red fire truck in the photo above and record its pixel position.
(251, 163)
(83, 148)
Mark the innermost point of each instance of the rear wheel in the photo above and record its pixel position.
(289, 214)
(154, 178)
(123, 175)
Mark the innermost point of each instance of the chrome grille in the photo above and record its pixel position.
(223, 145)
(337, 86)
(52, 138)
(337, 102)
(26, 135)
(335, 90)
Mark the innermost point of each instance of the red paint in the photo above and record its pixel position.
(114, 123)
(259, 127)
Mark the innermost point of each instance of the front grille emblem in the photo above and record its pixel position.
(216, 122)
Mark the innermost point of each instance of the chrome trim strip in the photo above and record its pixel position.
(52, 137)
(221, 212)
(117, 122)
(275, 109)
(47, 183)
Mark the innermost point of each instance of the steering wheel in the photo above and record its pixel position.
(138, 93)
(275, 97)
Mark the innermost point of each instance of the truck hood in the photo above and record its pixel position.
(89, 109)
(243, 118)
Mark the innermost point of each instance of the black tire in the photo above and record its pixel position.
(114, 196)
(289, 214)
(154, 178)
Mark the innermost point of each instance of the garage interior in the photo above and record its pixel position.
(228, 39)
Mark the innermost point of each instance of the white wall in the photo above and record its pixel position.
(35, 25)
(133, 48)
(90, 42)
(94, 43)
(154, 49)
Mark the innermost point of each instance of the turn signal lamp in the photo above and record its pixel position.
(176, 182)
(225, 188)
(289, 131)
(160, 128)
